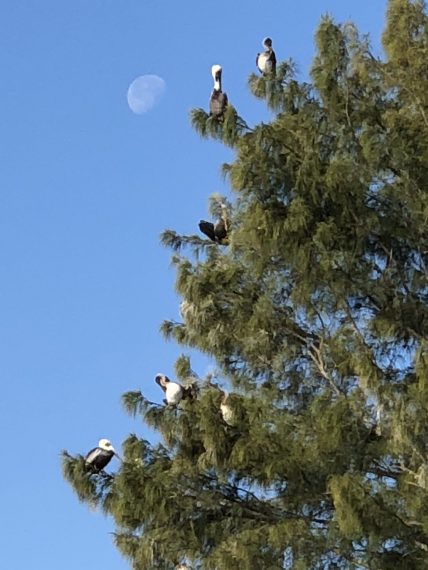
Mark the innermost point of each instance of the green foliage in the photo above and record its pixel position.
(227, 127)
(278, 91)
(315, 313)
(90, 487)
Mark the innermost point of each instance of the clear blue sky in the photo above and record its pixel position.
(86, 187)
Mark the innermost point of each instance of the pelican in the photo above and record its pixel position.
(174, 392)
(100, 456)
(218, 99)
(216, 232)
(226, 410)
(266, 61)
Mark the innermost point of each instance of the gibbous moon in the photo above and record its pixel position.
(144, 92)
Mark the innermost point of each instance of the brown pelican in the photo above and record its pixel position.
(266, 61)
(218, 99)
(174, 392)
(100, 456)
(216, 232)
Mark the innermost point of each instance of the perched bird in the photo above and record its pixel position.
(218, 99)
(266, 61)
(216, 232)
(226, 410)
(174, 392)
(100, 456)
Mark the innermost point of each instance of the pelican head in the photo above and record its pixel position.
(106, 445)
(216, 71)
(267, 43)
(161, 379)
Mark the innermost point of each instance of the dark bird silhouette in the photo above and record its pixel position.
(218, 99)
(174, 391)
(100, 456)
(216, 232)
(266, 61)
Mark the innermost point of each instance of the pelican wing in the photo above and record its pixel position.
(271, 63)
(99, 458)
(92, 455)
(207, 228)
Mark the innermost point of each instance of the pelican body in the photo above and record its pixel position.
(174, 392)
(218, 99)
(266, 61)
(216, 232)
(226, 410)
(99, 457)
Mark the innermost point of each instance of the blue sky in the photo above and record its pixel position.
(86, 187)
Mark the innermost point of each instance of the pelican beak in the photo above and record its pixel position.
(116, 453)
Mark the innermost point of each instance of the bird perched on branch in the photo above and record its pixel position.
(174, 392)
(100, 456)
(226, 411)
(218, 99)
(216, 232)
(266, 61)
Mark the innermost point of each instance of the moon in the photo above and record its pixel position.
(144, 93)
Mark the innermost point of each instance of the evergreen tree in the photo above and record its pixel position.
(315, 312)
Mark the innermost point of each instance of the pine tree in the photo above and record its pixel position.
(315, 313)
